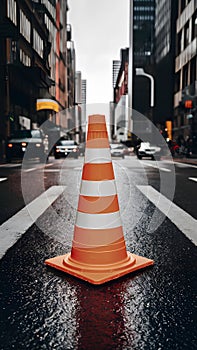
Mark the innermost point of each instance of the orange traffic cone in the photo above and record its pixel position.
(98, 251)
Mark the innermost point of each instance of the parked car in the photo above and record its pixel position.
(64, 148)
(118, 150)
(147, 150)
(18, 143)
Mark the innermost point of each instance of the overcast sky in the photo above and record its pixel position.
(100, 28)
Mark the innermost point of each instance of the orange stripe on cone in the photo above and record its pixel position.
(94, 205)
(98, 172)
(98, 250)
(97, 237)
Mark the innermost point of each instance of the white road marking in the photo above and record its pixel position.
(193, 179)
(78, 168)
(182, 220)
(10, 165)
(51, 170)
(12, 229)
(3, 179)
(181, 165)
(28, 170)
(186, 165)
(156, 167)
(41, 167)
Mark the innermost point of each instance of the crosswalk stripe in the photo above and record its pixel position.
(182, 220)
(12, 229)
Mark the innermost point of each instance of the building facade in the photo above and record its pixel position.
(143, 53)
(118, 110)
(33, 64)
(185, 114)
(166, 12)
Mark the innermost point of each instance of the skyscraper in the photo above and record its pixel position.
(165, 43)
(143, 52)
(143, 32)
(185, 120)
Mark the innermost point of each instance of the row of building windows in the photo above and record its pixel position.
(144, 8)
(38, 44)
(11, 11)
(144, 1)
(25, 30)
(25, 59)
(186, 35)
(143, 18)
(49, 7)
(25, 26)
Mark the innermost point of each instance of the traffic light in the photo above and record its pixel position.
(188, 104)
(168, 129)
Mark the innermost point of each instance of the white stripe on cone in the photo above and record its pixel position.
(98, 221)
(98, 188)
(97, 155)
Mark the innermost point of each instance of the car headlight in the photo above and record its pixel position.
(10, 145)
(23, 144)
(38, 144)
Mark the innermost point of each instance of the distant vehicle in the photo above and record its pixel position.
(148, 151)
(65, 148)
(118, 150)
(17, 145)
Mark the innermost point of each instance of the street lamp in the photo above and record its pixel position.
(140, 71)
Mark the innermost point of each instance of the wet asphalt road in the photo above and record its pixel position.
(152, 309)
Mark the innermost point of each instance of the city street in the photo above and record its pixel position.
(151, 309)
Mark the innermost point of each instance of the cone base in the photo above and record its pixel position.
(99, 274)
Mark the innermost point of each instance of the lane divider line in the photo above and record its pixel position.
(181, 219)
(186, 165)
(52, 170)
(28, 170)
(3, 179)
(193, 179)
(10, 165)
(12, 229)
(157, 167)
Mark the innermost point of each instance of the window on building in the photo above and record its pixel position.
(25, 26)
(11, 11)
(193, 71)
(178, 44)
(185, 76)
(24, 58)
(38, 43)
(186, 35)
(182, 5)
(177, 82)
(194, 26)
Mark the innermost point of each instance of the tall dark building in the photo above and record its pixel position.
(24, 65)
(33, 63)
(185, 119)
(143, 52)
(165, 44)
(143, 32)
